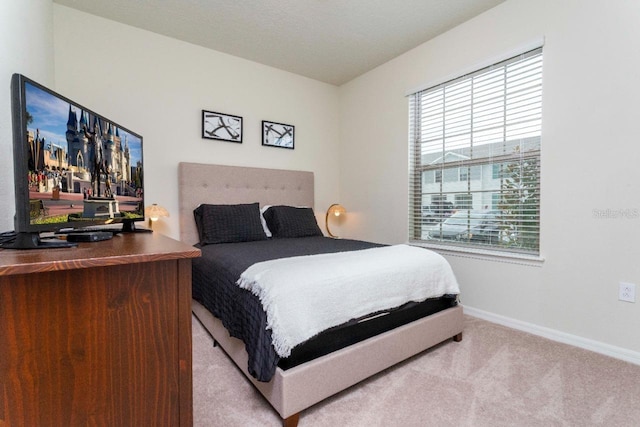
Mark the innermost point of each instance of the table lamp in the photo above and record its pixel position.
(335, 210)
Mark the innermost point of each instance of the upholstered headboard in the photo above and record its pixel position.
(217, 184)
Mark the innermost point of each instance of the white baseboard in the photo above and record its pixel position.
(554, 335)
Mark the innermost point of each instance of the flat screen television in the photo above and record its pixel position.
(74, 169)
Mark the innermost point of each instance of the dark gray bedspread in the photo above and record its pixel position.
(214, 286)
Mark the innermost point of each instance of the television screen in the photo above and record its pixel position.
(73, 167)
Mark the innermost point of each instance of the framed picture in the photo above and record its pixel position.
(277, 134)
(223, 127)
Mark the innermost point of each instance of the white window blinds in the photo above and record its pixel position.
(474, 165)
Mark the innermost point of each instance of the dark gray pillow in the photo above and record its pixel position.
(289, 221)
(228, 223)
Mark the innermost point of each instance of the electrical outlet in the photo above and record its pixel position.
(627, 292)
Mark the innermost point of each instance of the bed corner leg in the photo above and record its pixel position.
(458, 338)
(215, 343)
(291, 421)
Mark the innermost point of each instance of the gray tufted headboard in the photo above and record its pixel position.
(217, 184)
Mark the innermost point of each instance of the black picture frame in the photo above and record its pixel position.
(220, 126)
(278, 135)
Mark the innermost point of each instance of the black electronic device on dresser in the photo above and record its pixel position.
(93, 236)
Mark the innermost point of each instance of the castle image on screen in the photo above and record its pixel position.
(81, 166)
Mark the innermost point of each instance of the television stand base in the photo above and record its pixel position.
(33, 241)
(129, 227)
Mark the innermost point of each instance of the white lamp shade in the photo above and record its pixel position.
(154, 212)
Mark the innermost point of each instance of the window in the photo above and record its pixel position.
(463, 174)
(495, 170)
(495, 200)
(479, 135)
(464, 201)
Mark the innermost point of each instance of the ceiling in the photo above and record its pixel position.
(332, 41)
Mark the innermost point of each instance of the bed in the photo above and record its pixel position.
(293, 387)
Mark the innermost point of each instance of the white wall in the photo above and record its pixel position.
(26, 48)
(589, 161)
(157, 86)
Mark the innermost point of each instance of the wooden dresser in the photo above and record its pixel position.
(98, 335)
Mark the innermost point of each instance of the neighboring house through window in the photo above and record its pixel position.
(475, 145)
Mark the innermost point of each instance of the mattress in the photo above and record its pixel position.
(214, 286)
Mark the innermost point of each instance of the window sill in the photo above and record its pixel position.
(483, 254)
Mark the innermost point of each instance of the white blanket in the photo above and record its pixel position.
(305, 295)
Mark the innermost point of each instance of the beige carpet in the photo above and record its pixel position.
(495, 377)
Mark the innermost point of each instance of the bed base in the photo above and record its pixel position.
(298, 388)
